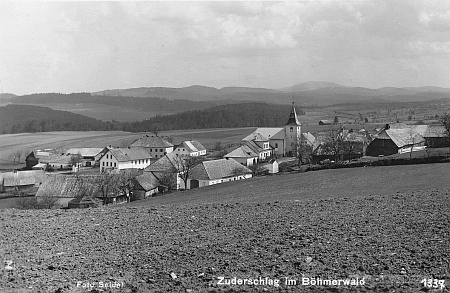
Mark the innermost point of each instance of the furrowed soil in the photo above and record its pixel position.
(390, 239)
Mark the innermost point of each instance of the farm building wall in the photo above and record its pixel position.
(383, 147)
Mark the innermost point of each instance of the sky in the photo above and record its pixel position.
(80, 46)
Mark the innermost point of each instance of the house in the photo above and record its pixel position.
(89, 157)
(308, 138)
(217, 171)
(69, 187)
(154, 145)
(282, 140)
(325, 122)
(168, 168)
(146, 185)
(21, 180)
(57, 161)
(243, 155)
(391, 141)
(191, 148)
(435, 135)
(35, 156)
(125, 158)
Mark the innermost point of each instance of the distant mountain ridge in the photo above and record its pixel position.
(307, 93)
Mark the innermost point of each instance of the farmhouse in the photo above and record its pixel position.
(88, 156)
(20, 180)
(154, 145)
(168, 168)
(391, 141)
(281, 139)
(35, 156)
(57, 161)
(146, 185)
(125, 158)
(217, 171)
(435, 135)
(191, 148)
(69, 187)
(325, 122)
(253, 150)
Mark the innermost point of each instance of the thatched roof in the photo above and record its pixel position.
(216, 169)
(71, 185)
(147, 181)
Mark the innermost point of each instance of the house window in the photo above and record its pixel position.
(151, 150)
(115, 165)
(161, 150)
(276, 145)
(106, 164)
(103, 164)
(292, 129)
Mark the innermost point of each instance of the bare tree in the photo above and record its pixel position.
(111, 184)
(75, 160)
(184, 165)
(333, 143)
(302, 151)
(167, 179)
(445, 120)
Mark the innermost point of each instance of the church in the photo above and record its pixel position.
(282, 139)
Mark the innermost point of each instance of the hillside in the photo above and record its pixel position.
(391, 239)
(25, 118)
(234, 115)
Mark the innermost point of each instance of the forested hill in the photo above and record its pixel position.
(235, 115)
(154, 104)
(27, 118)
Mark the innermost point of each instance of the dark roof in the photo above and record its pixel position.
(147, 181)
(71, 185)
(293, 120)
(216, 169)
(151, 141)
(130, 154)
(21, 178)
(168, 162)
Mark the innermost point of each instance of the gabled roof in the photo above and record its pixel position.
(147, 181)
(242, 152)
(71, 186)
(21, 178)
(217, 169)
(192, 146)
(401, 137)
(129, 154)
(267, 132)
(55, 158)
(168, 162)
(309, 138)
(256, 137)
(293, 118)
(151, 141)
(253, 146)
(84, 152)
(431, 130)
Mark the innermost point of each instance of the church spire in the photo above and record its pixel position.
(293, 120)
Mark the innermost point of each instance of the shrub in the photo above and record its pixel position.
(37, 203)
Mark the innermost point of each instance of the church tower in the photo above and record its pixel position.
(292, 131)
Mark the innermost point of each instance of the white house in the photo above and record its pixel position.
(154, 145)
(217, 171)
(125, 158)
(281, 139)
(243, 155)
(191, 148)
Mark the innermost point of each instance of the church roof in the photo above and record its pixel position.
(293, 120)
(267, 132)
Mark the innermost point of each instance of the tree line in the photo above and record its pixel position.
(29, 119)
